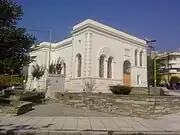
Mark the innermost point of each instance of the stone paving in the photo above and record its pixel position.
(89, 125)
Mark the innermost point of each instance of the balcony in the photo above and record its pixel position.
(172, 62)
(173, 71)
(162, 67)
(175, 66)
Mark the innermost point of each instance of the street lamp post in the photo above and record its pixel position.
(50, 47)
(149, 43)
(155, 68)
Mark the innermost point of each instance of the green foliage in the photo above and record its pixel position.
(120, 90)
(35, 97)
(59, 66)
(4, 101)
(150, 65)
(38, 71)
(7, 81)
(52, 68)
(174, 80)
(56, 68)
(150, 68)
(15, 43)
(162, 83)
(158, 74)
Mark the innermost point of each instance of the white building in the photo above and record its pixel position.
(171, 64)
(98, 51)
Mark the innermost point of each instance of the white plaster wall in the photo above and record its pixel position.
(78, 47)
(42, 57)
(137, 70)
(90, 43)
(65, 53)
(117, 51)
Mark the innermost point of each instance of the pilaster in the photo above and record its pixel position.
(85, 53)
(72, 73)
(88, 54)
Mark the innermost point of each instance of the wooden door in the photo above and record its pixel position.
(127, 79)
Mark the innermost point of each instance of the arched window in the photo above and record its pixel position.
(138, 80)
(135, 57)
(79, 63)
(101, 66)
(109, 67)
(64, 66)
(140, 58)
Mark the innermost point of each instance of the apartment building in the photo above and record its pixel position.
(171, 64)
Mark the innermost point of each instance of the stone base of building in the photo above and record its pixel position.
(76, 85)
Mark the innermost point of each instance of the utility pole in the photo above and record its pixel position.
(50, 47)
(155, 68)
(148, 61)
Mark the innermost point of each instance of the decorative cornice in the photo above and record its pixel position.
(57, 45)
(97, 78)
(110, 31)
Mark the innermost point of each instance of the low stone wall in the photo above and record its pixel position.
(140, 106)
(19, 108)
(23, 107)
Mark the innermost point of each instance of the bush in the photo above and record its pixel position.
(4, 101)
(35, 97)
(8, 92)
(120, 90)
(7, 81)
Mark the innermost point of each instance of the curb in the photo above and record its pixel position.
(47, 132)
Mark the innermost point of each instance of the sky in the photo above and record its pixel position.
(153, 19)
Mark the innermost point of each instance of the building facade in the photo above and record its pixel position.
(171, 65)
(95, 51)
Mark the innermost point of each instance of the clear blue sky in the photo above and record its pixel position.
(154, 19)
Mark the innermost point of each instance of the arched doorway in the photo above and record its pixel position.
(127, 73)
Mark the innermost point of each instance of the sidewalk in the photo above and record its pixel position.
(88, 125)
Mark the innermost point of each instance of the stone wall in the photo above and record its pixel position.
(16, 108)
(140, 106)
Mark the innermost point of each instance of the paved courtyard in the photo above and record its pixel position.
(56, 119)
(66, 125)
(61, 110)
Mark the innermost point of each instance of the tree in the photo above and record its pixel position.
(15, 43)
(159, 64)
(150, 68)
(37, 72)
(56, 68)
(52, 68)
(90, 85)
(59, 66)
